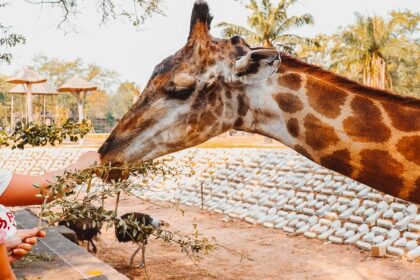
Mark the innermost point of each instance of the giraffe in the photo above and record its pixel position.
(212, 85)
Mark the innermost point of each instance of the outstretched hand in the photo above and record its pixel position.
(28, 238)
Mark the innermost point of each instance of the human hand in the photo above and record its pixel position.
(85, 161)
(28, 238)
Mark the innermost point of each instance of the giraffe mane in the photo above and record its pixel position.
(345, 83)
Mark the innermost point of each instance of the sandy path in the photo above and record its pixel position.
(276, 255)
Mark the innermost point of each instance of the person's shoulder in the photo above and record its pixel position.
(5, 178)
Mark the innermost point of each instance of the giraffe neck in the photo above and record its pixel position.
(369, 135)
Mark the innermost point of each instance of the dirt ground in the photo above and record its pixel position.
(276, 255)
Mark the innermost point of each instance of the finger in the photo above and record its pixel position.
(25, 233)
(31, 240)
(19, 252)
(24, 246)
(41, 233)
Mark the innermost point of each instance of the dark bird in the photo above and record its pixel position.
(136, 227)
(86, 229)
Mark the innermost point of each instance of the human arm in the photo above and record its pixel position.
(21, 190)
(6, 272)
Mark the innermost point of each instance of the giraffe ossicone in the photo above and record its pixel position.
(212, 85)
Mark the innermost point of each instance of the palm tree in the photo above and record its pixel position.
(370, 45)
(269, 25)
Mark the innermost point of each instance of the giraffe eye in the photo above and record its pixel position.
(180, 93)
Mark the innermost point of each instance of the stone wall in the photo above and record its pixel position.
(276, 188)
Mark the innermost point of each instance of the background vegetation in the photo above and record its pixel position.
(378, 51)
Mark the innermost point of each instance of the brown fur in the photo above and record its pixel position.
(293, 127)
(409, 147)
(338, 161)
(288, 102)
(324, 98)
(405, 119)
(301, 150)
(242, 106)
(366, 125)
(319, 135)
(415, 193)
(381, 171)
(290, 80)
(294, 64)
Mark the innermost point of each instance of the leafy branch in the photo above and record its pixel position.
(68, 200)
(39, 134)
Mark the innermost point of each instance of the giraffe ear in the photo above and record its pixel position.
(200, 21)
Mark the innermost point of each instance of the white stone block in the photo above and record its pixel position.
(394, 251)
(310, 234)
(312, 220)
(378, 250)
(350, 226)
(403, 223)
(325, 234)
(411, 235)
(363, 228)
(356, 219)
(352, 239)
(336, 224)
(414, 253)
(388, 214)
(370, 204)
(384, 223)
(340, 232)
(398, 206)
(378, 239)
(335, 239)
(412, 209)
(397, 216)
(414, 227)
(368, 237)
(324, 222)
(411, 245)
(363, 245)
(400, 242)
(303, 229)
(288, 229)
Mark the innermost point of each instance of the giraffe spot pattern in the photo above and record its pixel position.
(238, 122)
(366, 124)
(242, 106)
(415, 193)
(338, 161)
(318, 134)
(404, 119)
(292, 81)
(381, 171)
(301, 150)
(288, 102)
(293, 127)
(409, 147)
(326, 100)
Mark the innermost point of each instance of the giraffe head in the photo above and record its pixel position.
(193, 95)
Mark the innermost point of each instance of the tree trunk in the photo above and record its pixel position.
(267, 44)
(29, 111)
(80, 106)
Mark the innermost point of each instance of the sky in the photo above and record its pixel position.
(133, 53)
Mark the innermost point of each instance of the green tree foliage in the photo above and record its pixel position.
(58, 71)
(8, 40)
(379, 52)
(269, 25)
(126, 95)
